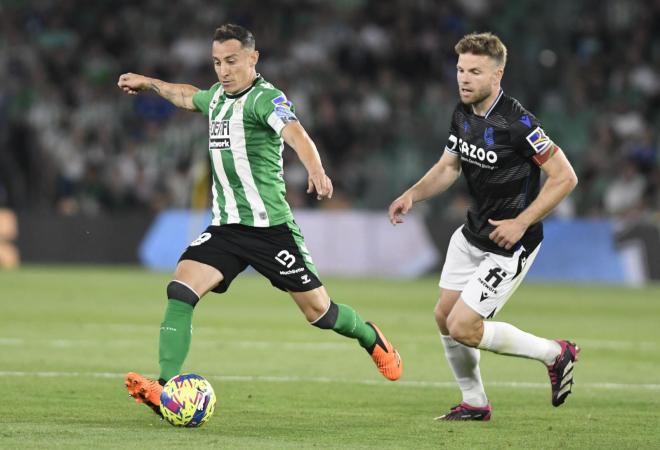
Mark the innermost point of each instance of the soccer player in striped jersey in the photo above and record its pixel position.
(501, 149)
(249, 120)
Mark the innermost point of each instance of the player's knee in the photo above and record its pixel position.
(463, 332)
(440, 317)
(326, 319)
(179, 291)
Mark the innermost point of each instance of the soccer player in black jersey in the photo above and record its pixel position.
(501, 149)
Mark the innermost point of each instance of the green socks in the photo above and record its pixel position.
(175, 336)
(350, 324)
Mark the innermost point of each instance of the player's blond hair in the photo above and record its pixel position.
(483, 44)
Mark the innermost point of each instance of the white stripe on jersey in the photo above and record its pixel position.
(492, 107)
(254, 102)
(242, 164)
(216, 207)
(231, 207)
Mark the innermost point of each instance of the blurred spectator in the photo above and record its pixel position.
(372, 81)
(625, 193)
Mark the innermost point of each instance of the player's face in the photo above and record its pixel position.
(478, 76)
(234, 65)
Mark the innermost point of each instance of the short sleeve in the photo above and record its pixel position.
(273, 109)
(452, 140)
(530, 140)
(202, 99)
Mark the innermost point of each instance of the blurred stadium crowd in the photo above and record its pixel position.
(373, 82)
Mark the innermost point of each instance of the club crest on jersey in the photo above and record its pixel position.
(488, 136)
(538, 140)
(219, 135)
(524, 119)
(238, 106)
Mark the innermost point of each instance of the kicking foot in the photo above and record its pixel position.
(144, 390)
(561, 372)
(385, 356)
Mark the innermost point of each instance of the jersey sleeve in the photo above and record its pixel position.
(530, 140)
(273, 109)
(452, 140)
(202, 99)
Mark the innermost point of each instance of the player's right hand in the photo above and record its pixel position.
(400, 207)
(321, 183)
(132, 83)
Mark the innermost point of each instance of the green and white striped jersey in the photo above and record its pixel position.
(245, 146)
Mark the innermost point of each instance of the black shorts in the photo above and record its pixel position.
(277, 252)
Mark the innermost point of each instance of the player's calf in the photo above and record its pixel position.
(344, 320)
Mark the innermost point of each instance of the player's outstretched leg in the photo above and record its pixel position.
(346, 321)
(144, 390)
(464, 411)
(561, 372)
(558, 356)
(174, 343)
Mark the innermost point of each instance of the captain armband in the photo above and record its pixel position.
(543, 157)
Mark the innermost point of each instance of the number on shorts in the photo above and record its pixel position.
(201, 239)
(285, 258)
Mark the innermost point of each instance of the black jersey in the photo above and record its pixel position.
(500, 157)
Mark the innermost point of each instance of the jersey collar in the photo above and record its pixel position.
(244, 91)
(492, 107)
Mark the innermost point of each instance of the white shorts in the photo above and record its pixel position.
(486, 280)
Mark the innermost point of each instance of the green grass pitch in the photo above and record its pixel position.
(68, 334)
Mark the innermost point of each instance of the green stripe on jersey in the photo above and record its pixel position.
(302, 248)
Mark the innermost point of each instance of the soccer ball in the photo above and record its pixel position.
(187, 401)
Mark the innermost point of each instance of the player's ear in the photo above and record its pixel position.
(254, 57)
(499, 73)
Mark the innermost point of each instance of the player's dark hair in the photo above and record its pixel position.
(230, 31)
(483, 44)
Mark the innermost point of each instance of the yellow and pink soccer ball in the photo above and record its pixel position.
(187, 400)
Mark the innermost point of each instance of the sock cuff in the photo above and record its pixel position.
(328, 319)
(448, 341)
(487, 337)
(178, 290)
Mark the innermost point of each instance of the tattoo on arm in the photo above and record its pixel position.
(155, 87)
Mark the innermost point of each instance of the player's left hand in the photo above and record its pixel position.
(507, 232)
(320, 183)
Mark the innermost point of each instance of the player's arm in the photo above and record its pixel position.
(560, 182)
(437, 180)
(297, 138)
(180, 95)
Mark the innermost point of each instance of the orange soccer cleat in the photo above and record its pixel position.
(385, 356)
(144, 390)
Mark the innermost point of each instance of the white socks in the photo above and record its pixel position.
(503, 338)
(464, 361)
(499, 337)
